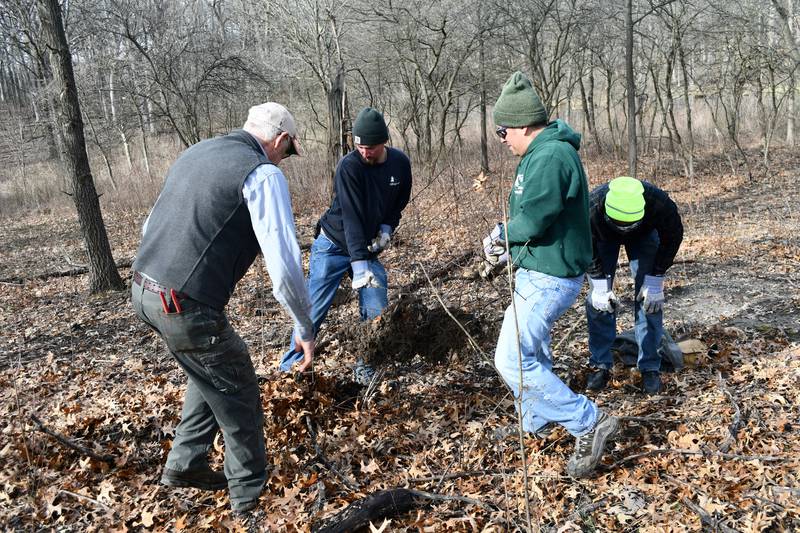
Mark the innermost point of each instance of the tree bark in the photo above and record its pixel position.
(484, 140)
(338, 144)
(103, 274)
(630, 83)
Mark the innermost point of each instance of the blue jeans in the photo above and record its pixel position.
(327, 265)
(648, 327)
(540, 300)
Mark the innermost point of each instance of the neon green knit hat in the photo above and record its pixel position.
(625, 199)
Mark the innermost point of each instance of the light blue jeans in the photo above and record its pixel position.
(648, 327)
(540, 300)
(327, 266)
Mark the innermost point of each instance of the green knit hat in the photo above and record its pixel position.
(369, 128)
(625, 199)
(519, 105)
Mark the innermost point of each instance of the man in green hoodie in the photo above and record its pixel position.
(549, 239)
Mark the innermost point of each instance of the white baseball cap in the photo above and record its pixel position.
(274, 114)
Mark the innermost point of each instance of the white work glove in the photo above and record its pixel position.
(381, 240)
(652, 294)
(363, 276)
(602, 297)
(494, 246)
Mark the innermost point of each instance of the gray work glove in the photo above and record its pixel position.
(363, 277)
(381, 240)
(602, 296)
(652, 294)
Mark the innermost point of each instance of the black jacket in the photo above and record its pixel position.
(365, 197)
(660, 213)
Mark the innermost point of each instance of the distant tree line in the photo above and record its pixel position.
(632, 75)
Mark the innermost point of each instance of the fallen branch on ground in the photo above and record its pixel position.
(384, 504)
(736, 423)
(110, 459)
(17, 280)
(766, 458)
(706, 519)
(352, 485)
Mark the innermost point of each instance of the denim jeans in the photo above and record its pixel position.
(222, 393)
(648, 327)
(540, 300)
(326, 268)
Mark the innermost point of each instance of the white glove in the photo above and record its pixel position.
(381, 240)
(494, 246)
(602, 297)
(652, 294)
(363, 276)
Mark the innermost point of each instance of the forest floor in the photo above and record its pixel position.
(718, 449)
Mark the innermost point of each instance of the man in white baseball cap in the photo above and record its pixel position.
(224, 201)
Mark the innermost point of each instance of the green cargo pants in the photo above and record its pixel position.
(222, 392)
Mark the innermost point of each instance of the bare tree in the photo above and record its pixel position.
(103, 273)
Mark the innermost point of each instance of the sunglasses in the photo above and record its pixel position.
(291, 150)
(501, 132)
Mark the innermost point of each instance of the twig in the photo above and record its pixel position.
(649, 419)
(59, 274)
(471, 473)
(733, 429)
(87, 499)
(765, 500)
(321, 497)
(21, 424)
(472, 446)
(106, 458)
(436, 274)
(372, 387)
(352, 485)
(520, 410)
(794, 491)
(706, 518)
(444, 497)
(766, 458)
(472, 341)
(589, 508)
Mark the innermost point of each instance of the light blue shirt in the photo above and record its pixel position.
(266, 194)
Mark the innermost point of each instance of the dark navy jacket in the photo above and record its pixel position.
(365, 197)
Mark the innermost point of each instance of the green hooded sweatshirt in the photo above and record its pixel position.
(548, 226)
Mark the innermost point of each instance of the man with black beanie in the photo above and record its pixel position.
(372, 186)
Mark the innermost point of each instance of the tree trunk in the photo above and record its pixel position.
(790, 121)
(689, 147)
(484, 140)
(338, 144)
(103, 274)
(630, 84)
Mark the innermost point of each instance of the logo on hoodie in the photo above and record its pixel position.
(393, 182)
(518, 188)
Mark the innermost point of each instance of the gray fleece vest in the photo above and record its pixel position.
(199, 238)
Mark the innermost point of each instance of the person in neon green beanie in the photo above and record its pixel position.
(547, 235)
(646, 221)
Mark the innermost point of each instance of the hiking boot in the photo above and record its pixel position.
(589, 447)
(363, 374)
(249, 518)
(513, 429)
(651, 382)
(206, 479)
(598, 379)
